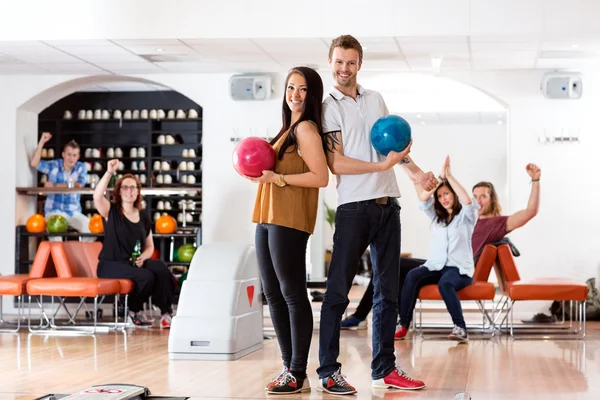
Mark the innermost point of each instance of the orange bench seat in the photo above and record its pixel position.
(547, 289)
(73, 287)
(475, 291)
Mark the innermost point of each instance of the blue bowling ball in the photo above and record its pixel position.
(390, 133)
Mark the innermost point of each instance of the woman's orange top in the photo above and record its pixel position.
(290, 206)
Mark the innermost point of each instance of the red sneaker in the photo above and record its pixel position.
(400, 333)
(277, 378)
(397, 379)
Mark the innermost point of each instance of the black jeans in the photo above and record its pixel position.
(366, 302)
(281, 254)
(358, 225)
(449, 281)
(153, 279)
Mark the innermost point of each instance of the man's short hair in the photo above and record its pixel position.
(347, 42)
(72, 144)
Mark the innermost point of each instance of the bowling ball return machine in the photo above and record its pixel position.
(120, 391)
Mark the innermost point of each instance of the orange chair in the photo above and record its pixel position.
(16, 285)
(561, 289)
(76, 270)
(479, 291)
(84, 258)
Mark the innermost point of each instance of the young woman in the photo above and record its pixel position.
(286, 211)
(450, 264)
(124, 226)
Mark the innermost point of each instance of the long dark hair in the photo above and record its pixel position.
(117, 192)
(443, 217)
(311, 108)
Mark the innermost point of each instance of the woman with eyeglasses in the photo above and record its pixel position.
(128, 231)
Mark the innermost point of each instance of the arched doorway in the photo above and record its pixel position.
(155, 131)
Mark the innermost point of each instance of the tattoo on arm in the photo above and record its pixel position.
(405, 161)
(332, 141)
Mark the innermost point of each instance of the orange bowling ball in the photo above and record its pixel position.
(165, 224)
(36, 224)
(95, 224)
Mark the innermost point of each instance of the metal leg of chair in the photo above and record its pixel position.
(126, 310)
(420, 318)
(95, 313)
(512, 315)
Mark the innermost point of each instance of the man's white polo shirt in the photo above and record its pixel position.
(354, 120)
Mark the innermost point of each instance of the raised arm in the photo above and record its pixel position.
(35, 160)
(100, 201)
(462, 194)
(521, 217)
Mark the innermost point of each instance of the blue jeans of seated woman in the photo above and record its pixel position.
(449, 281)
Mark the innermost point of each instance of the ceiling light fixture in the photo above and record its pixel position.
(159, 50)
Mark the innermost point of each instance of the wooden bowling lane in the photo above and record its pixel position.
(33, 365)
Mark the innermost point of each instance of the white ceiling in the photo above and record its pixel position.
(400, 54)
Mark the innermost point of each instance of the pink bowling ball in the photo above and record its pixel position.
(252, 156)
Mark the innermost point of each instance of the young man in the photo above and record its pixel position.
(367, 214)
(491, 227)
(60, 172)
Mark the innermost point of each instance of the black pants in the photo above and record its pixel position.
(152, 279)
(366, 302)
(358, 225)
(281, 254)
(449, 282)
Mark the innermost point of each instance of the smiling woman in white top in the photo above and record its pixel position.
(450, 263)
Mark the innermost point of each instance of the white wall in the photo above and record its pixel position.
(477, 152)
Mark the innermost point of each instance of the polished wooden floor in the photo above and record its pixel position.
(34, 365)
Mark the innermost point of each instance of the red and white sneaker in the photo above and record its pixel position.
(401, 332)
(288, 384)
(397, 379)
(335, 383)
(165, 321)
(277, 378)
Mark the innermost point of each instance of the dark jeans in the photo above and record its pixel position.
(366, 302)
(153, 279)
(449, 281)
(281, 254)
(358, 225)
